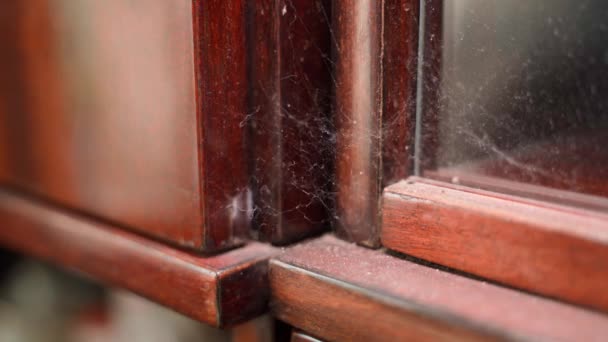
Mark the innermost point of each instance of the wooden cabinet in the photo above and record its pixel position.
(164, 147)
(132, 112)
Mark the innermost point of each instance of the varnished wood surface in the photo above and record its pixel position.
(554, 250)
(290, 117)
(130, 111)
(399, 68)
(341, 292)
(220, 53)
(298, 336)
(220, 290)
(502, 185)
(376, 59)
(357, 107)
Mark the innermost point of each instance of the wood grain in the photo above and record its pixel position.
(554, 250)
(290, 79)
(220, 290)
(220, 53)
(376, 57)
(341, 292)
(130, 111)
(399, 67)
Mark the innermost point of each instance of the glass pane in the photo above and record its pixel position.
(522, 96)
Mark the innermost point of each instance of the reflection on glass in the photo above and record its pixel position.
(523, 96)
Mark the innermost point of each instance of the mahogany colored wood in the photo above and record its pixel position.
(290, 77)
(341, 292)
(554, 250)
(431, 85)
(375, 55)
(471, 179)
(131, 112)
(357, 107)
(298, 336)
(399, 68)
(220, 290)
(376, 59)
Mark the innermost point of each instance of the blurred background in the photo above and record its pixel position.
(39, 302)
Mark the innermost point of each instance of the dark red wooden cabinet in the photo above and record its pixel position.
(131, 111)
(149, 143)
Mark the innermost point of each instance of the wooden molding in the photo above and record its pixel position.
(290, 119)
(554, 250)
(220, 290)
(339, 291)
(375, 56)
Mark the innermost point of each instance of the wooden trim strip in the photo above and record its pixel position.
(549, 249)
(375, 52)
(339, 291)
(290, 92)
(358, 111)
(220, 290)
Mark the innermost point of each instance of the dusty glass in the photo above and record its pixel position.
(521, 97)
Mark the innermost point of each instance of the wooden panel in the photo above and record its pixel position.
(290, 117)
(546, 248)
(130, 111)
(220, 290)
(339, 291)
(375, 88)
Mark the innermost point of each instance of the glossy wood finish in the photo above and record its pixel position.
(375, 56)
(554, 250)
(339, 291)
(298, 336)
(219, 290)
(399, 68)
(430, 86)
(222, 87)
(479, 181)
(357, 107)
(131, 111)
(290, 75)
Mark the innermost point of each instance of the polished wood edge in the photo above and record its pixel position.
(340, 291)
(358, 113)
(554, 250)
(289, 120)
(399, 77)
(298, 336)
(206, 288)
(221, 96)
(514, 188)
(381, 109)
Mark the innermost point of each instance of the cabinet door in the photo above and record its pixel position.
(130, 111)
